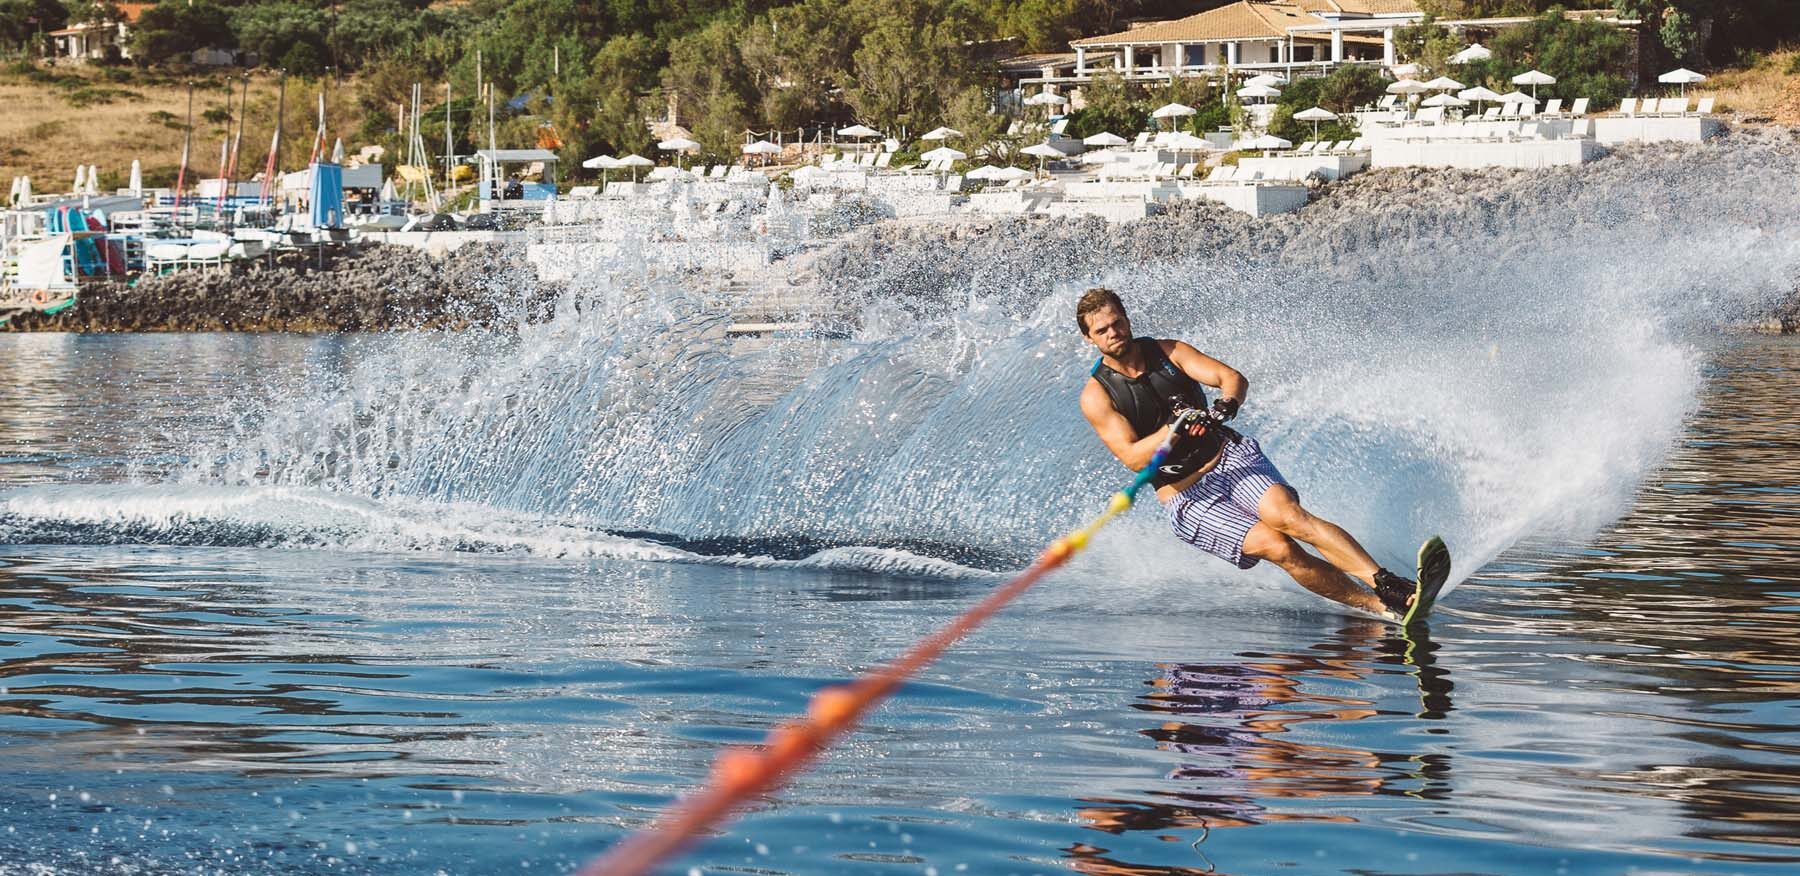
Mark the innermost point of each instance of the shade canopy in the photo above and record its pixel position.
(1045, 98)
(1258, 91)
(858, 132)
(601, 162)
(941, 134)
(1315, 114)
(1534, 77)
(1475, 52)
(1269, 141)
(1445, 99)
(1444, 83)
(985, 171)
(944, 153)
(1478, 93)
(1172, 110)
(1518, 97)
(1265, 79)
(1407, 86)
(1104, 138)
(1681, 76)
(635, 160)
(678, 144)
(1182, 141)
(137, 177)
(1010, 174)
(761, 147)
(1044, 150)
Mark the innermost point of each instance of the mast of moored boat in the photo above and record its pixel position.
(187, 141)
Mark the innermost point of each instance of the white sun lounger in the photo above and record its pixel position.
(1675, 106)
(1554, 107)
(1492, 114)
(1628, 107)
(1143, 137)
(1223, 173)
(1706, 106)
(1580, 107)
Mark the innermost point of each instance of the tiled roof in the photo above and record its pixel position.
(1246, 19)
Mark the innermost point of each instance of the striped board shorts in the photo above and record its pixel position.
(1215, 512)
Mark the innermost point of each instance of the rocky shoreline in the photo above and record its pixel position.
(363, 288)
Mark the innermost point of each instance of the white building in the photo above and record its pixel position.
(88, 40)
(1291, 36)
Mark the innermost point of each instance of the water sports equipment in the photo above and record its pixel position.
(1434, 570)
(741, 773)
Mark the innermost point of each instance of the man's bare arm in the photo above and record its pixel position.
(1115, 431)
(1207, 370)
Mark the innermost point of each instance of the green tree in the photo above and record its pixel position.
(370, 30)
(1588, 58)
(1109, 103)
(1429, 45)
(711, 84)
(21, 21)
(167, 31)
(914, 58)
(285, 34)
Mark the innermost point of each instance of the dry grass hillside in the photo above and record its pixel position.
(1769, 88)
(54, 118)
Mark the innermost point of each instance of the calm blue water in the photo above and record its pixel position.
(202, 677)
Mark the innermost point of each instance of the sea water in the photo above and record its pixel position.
(485, 602)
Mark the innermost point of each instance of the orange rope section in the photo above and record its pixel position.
(741, 773)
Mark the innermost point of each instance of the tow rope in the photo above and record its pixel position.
(741, 773)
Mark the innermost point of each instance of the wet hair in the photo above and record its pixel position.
(1092, 300)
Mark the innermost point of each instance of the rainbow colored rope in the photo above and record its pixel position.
(741, 773)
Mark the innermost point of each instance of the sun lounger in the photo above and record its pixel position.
(884, 159)
(1706, 107)
(1628, 107)
(1581, 128)
(583, 191)
(1186, 170)
(1222, 173)
(1554, 107)
(1492, 114)
(1387, 101)
(1675, 106)
(1357, 145)
(719, 171)
(1580, 107)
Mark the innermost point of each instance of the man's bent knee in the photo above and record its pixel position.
(1265, 542)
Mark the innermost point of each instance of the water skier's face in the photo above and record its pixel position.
(1109, 330)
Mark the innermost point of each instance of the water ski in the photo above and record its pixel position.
(1434, 570)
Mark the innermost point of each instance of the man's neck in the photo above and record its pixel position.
(1131, 362)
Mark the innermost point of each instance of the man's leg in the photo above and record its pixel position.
(1281, 511)
(1311, 572)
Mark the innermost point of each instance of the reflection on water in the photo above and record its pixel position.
(1240, 729)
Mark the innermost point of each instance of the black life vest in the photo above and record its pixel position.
(1148, 402)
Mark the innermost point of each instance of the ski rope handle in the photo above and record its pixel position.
(742, 772)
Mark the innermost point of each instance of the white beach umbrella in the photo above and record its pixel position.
(1445, 99)
(985, 171)
(24, 189)
(601, 162)
(1534, 78)
(1265, 79)
(1104, 138)
(1099, 156)
(1268, 142)
(936, 134)
(1475, 52)
(1046, 98)
(944, 153)
(635, 162)
(388, 193)
(1519, 97)
(1681, 76)
(858, 132)
(678, 144)
(1258, 91)
(1173, 110)
(1444, 83)
(337, 152)
(1479, 94)
(1407, 87)
(1182, 141)
(761, 147)
(80, 179)
(1315, 115)
(549, 217)
(1043, 152)
(1010, 174)
(137, 178)
(12, 195)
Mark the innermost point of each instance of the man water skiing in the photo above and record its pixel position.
(1222, 494)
